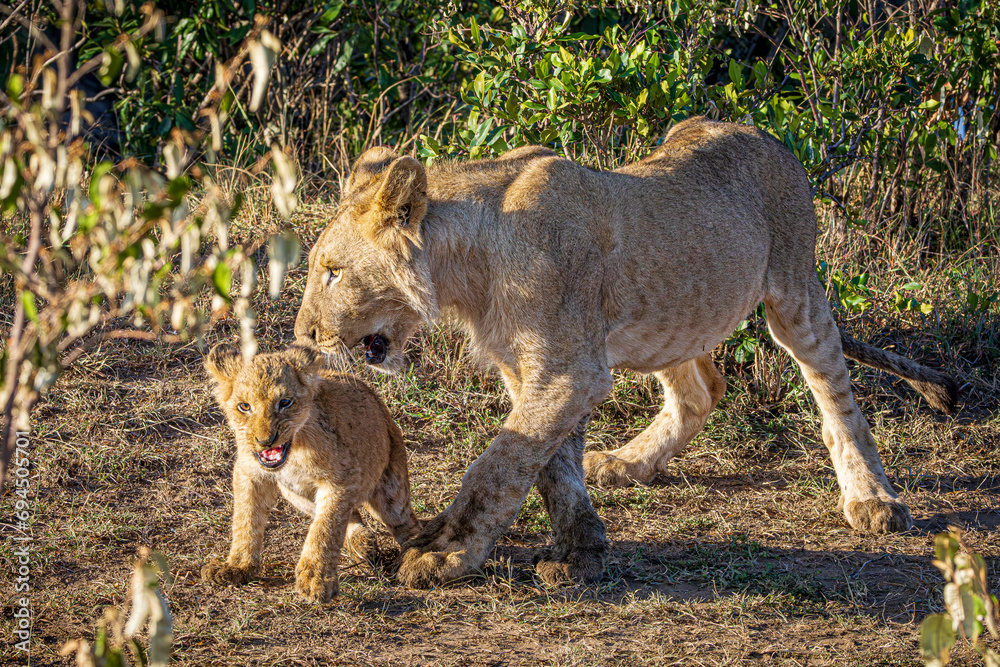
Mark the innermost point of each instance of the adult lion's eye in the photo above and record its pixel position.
(243, 407)
(284, 403)
(333, 276)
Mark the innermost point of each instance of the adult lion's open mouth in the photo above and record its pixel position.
(274, 457)
(376, 348)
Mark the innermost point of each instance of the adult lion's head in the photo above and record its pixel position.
(369, 277)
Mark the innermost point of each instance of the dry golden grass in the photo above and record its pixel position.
(738, 556)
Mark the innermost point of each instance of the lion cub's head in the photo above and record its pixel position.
(369, 277)
(266, 400)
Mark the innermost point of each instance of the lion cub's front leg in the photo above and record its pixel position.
(253, 499)
(316, 577)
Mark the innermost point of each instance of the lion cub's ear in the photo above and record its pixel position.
(306, 362)
(400, 205)
(223, 364)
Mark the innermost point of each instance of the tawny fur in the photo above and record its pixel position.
(560, 273)
(346, 452)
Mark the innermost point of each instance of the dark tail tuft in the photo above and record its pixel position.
(940, 390)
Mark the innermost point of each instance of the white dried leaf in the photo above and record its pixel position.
(190, 240)
(44, 168)
(263, 55)
(282, 252)
(132, 54)
(173, 154)
(148, 604)
(283, 184)
(248, 322)
(8, 177)
(50, 84)
(213, 119)
(221, 74)
(248, 277)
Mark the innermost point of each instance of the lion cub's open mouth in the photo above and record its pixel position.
(376, 348)
(274, 457)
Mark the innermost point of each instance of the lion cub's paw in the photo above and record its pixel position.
(224, 574)
(873, 515)
(418, 569)
(315, 581)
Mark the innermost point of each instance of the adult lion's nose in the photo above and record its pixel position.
(306, 331)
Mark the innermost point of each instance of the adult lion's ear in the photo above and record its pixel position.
(223, 364)
(368, 167)
(401, 203)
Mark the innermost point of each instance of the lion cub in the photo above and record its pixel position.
(323, 440)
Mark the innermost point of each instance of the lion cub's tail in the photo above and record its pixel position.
(940, 390)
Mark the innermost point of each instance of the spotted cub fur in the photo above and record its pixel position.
(324, 441)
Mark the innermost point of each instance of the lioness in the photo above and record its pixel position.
(327, 443)
(560, 273)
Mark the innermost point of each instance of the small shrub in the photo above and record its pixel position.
(970, 608)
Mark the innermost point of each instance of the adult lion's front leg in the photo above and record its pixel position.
(581, 543)
(548, 407)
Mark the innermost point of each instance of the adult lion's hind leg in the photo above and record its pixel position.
(691, 391)
(581, 543)
(802, 323)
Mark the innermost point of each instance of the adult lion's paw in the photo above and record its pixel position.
(419, 569)
(315, 581)
(224, 574)
(376, 549)
(583, 566)
(604, 469)
(873, 515)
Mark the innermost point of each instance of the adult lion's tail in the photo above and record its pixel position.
(940, 390)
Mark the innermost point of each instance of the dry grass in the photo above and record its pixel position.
(738, 555)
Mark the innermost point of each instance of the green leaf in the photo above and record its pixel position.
(222, 278)
(15, 86)
(512, 107)
(177, 188)
(937, 636)
(475, 32)
(333, 11)
(736, 74)
(111, 66)
(30, 309)
(346, 51)
(95, 181)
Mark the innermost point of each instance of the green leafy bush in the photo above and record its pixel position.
(895, 116)
(149, 608)
(970, 608)
(92, 251)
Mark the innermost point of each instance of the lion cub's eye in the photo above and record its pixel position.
(243, 407)
(334, 275)
(284, 403)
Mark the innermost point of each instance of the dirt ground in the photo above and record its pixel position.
(738, 556)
